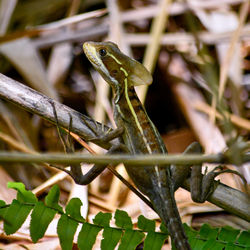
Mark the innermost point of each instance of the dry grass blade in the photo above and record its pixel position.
(185, 37)
(34, 31)
(176, 8)
(62, 54)
(25, 57)
(72, 20)
(186, 97)
(227, 61)
(6, 9)
(236, 120)
(153, 47)
(225, 66)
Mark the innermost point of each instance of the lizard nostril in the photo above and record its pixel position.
(114, 73)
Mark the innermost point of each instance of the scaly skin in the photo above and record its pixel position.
(140, 135)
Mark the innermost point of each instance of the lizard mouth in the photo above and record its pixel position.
(90, 52)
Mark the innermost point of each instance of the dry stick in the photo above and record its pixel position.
(40, 104)
(176, 8)
(136, 160)
(153, 47)
(186, 37)
(53, 25)
(226, 197)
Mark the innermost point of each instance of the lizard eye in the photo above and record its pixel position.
(102, 52)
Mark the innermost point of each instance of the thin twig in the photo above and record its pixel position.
(138, 160)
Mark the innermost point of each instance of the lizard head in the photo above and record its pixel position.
(114, 66)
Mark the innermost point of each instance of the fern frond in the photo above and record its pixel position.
(124, 234)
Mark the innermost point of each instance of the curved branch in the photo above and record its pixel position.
(39, 104)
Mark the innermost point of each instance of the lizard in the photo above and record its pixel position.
(139, 134)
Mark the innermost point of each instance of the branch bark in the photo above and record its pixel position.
(39, 104)
(230, 199)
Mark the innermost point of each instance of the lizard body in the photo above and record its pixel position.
(140, 135)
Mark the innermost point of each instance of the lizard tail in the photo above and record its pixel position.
(168, 212)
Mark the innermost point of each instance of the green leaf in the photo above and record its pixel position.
(52, 199)
(111, 237)
(66, 229)
(87, 236)
(232, 246)
(40, 219)
(216, 246)
(73, 209)
(208, 244)
(15, 216)
(123, 220)
(22, 194)
(244, 238)
(208, 232)
(2, 203)
(145, 224)
(228, 234)
(196, 244)
(154, 241)
(102, 219)
(191, 233)
(130, 239)
(2, 210)
(164, 229)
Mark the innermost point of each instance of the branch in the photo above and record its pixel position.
(41, 105)
(230, 199)
(224, 196)
(135, 160)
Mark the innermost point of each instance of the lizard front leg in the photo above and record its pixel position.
(75, 169)
(84, 179)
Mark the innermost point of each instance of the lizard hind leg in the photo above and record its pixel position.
(202, 186)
